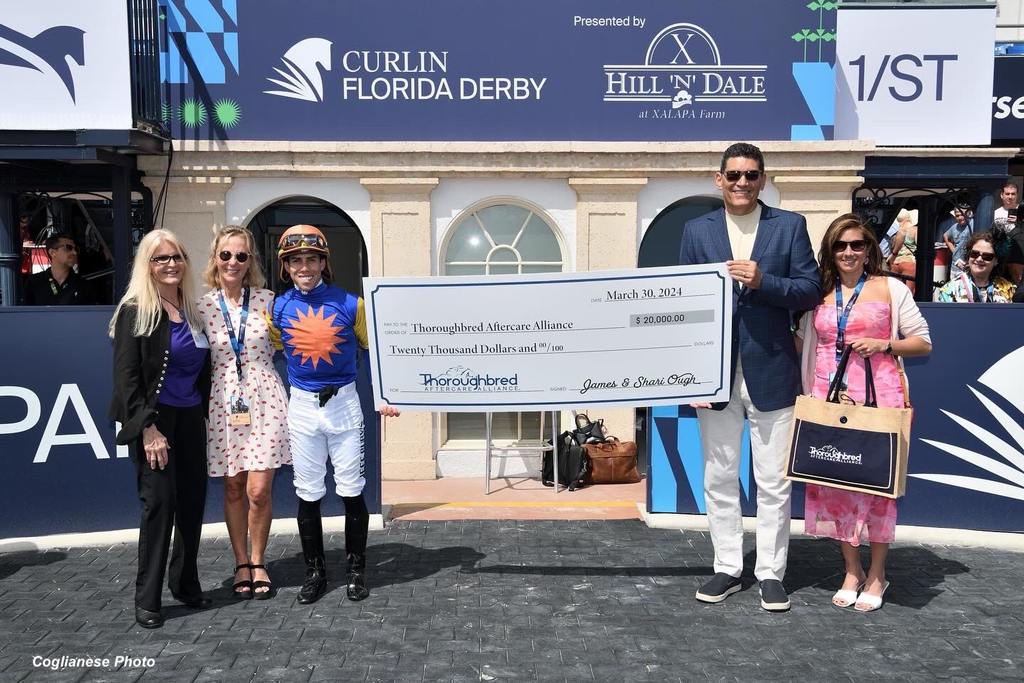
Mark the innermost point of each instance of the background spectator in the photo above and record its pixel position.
(904, 248)
(956, 237)
(59, 285)
(978, 284)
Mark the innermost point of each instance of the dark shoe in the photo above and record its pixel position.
(773, 596)
(147, 619)
(242, 590)
(311, 534)
(719, 588)
(355, 581)
(258, 594)
(315, 584)
(194, 601)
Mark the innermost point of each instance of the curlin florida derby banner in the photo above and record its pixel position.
(475, 344)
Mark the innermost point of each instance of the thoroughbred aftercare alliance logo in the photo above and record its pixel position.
(683, 69)
(830, 453)
(50, 52)
(1002, 459)
(460, 378)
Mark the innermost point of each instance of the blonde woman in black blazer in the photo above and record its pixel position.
(161, 392)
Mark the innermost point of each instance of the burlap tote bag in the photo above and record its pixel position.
(860, 448)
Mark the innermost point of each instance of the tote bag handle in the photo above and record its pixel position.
(834, 388)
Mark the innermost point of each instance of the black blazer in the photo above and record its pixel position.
(139, 367)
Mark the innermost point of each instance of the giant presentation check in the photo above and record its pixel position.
(536, 342)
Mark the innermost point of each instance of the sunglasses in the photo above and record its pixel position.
(164, 259)
(733, 176)
(303, 241)
(857, 246)
(983, 255)
(240, 256)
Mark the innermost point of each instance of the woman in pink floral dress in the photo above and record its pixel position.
(247, 435)
(877, 316)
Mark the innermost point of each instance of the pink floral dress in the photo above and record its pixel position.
(845, 515)
(263, 444)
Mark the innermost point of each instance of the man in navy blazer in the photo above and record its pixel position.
(769, 258)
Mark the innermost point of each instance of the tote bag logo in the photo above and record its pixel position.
(830, 453)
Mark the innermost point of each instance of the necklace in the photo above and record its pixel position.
(173, 305)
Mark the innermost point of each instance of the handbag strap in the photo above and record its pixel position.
(893, 335)
(870, 395)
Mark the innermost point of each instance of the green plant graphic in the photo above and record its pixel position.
(821, 34)
(165, 113)
(192, 113)
(227, 113)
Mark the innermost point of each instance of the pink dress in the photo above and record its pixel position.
(845, 515)
(263, 444)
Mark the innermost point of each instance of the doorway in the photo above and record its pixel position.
(349, 261)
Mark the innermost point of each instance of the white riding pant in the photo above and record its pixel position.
(334, 431)
(721, 433)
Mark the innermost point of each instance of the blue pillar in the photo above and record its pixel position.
(10, 252)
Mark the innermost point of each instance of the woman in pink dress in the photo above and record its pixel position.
(877, 316)
(247, 435)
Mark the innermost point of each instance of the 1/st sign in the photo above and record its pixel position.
(903, 77)
(914, 76)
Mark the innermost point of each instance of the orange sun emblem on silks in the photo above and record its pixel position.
(314, 337)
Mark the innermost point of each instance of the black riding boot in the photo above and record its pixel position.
(311, 533)
(357, 524)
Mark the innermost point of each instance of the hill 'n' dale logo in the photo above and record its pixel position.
(683, 69)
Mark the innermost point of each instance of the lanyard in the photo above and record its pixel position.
(843, 314)
(972, 291)
(237, 343)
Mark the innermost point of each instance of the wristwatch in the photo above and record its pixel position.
(888, 348)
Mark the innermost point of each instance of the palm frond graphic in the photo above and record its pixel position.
(295, 84)
(1010, 465)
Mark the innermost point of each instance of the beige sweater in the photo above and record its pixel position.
(907, 321)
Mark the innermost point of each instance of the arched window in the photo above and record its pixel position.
(500, 239)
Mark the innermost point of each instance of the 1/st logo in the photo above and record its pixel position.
(904, 69)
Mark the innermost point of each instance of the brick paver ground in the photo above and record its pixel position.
(521, 600)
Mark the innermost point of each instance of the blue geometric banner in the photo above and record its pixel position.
(523, 70)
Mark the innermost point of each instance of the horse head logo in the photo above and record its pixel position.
(48, 52)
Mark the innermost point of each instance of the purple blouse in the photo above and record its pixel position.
(183, 367)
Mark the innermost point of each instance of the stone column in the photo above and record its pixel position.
(607, 238)
(195, 212)
(819, 198)
(400, 244)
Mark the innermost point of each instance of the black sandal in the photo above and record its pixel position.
(261, 595)
(243, 594)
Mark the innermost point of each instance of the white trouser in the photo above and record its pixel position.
(316, 434)
(721, 432)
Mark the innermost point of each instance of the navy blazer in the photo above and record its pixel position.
(762, 336)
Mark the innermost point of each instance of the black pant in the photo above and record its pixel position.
(172, 497)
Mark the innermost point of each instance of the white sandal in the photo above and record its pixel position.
(846, 597)
(870, 602)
